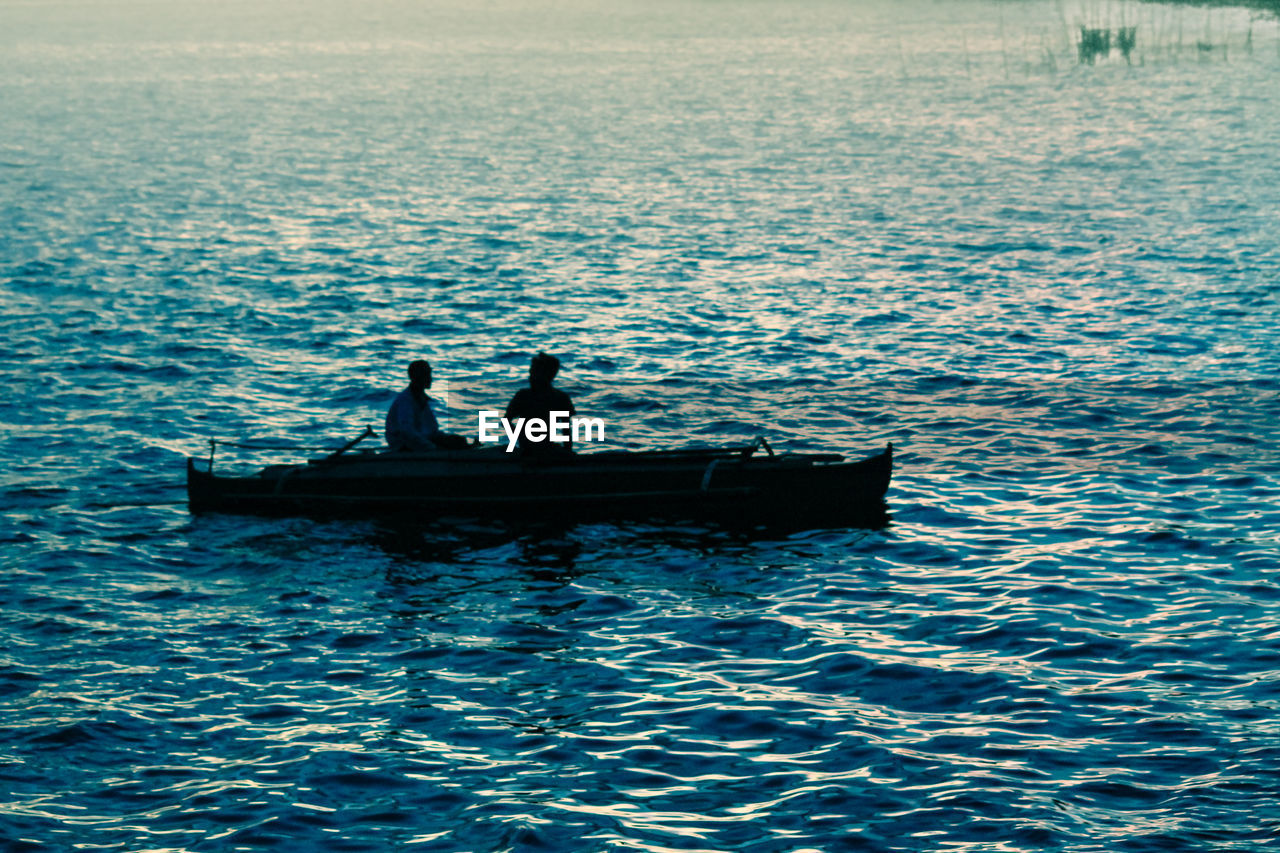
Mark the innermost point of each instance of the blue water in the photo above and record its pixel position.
(1052, 285)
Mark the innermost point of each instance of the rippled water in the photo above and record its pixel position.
(1052, 285)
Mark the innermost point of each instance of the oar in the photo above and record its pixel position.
(682, 451)
(745, 451)
(368, 431)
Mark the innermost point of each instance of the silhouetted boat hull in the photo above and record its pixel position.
(729, 485)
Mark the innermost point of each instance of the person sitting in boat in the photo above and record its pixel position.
(411, 425)
(538, 401)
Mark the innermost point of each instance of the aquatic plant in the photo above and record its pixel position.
(1101, 32)
(1171, 31)
(1094, 42)
(1126, 41)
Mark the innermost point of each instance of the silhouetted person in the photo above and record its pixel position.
(538, 401)
(411, 425)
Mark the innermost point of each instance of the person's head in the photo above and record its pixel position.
(543, 369)
(420, 374)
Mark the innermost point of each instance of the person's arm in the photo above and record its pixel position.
(568, 404)
(513, 408)
(430, 426)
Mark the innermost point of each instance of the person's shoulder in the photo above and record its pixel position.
(561, 400)
(519, 402)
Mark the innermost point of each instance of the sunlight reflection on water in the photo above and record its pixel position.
(1051, 285)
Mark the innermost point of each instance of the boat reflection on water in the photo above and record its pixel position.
(548, 548)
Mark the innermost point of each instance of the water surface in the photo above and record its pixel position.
(1052, 285)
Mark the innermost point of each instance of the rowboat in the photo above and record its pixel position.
(733, 484)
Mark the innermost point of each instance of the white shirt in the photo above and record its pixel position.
(411, 425)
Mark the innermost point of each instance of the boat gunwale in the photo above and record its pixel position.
(782, 484)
